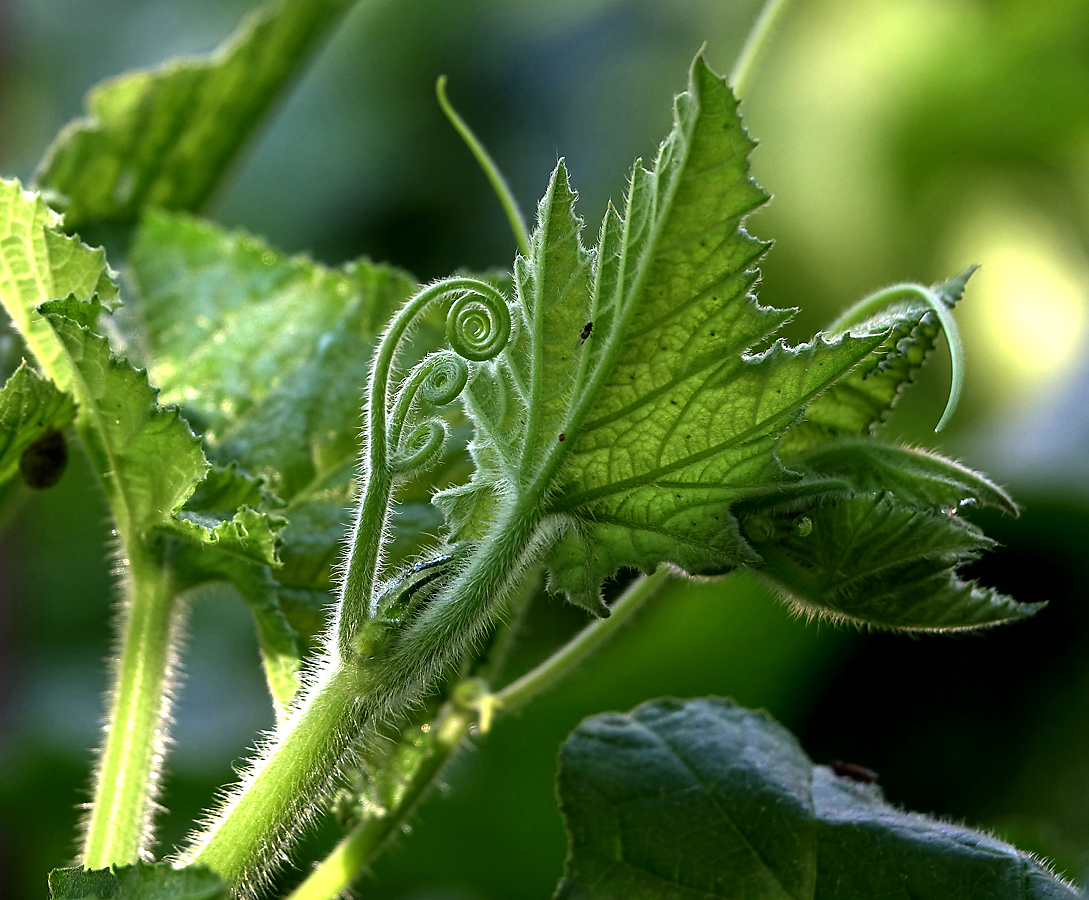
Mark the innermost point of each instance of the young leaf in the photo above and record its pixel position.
(702, 798)
(38, 263)
(143, 881)
(164, 137)
(632, 394)
(870, 559)
(30, 407)
(919, 478)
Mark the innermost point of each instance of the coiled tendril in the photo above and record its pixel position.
(478, 327)
(437, 380)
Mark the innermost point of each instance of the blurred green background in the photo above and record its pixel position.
(901, 140)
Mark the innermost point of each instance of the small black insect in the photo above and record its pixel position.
(43, 462)
(853, 771)
(562, 436)
(585, 333)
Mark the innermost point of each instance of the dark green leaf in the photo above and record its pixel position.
(869, 559)
(143, 881)
(694, 799)
(164, 137)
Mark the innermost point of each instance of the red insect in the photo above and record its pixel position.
(853, 771)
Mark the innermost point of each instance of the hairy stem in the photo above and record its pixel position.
(274, 799)
(358, 849)
(118, 826)
(365, 841)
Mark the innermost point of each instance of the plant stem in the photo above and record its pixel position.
(882, 298)
(362, 844)
(118, 827)
(491, 170)
(586, 643)
(353, 854)
(757, 40)
(273, 799)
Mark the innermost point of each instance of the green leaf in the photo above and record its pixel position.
(149, 458)
(165, 137)
(914, 477)
(230, 512)
(864, 397)
(869, 559)
(702, 798)
(268, 355)
(646, 431)
(38, 263)
(30, 407)
(143, 881)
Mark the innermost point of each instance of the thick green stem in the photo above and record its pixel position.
(118, 826)
(342, 866)
(259, 821)
(336, 873)
(275, 798)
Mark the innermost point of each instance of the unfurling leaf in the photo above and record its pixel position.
(704, 799)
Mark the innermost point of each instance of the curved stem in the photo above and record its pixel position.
(365, 841)
(491, 170)
(575, 652)
(365, 543)
(882, 298)
(117, 829)
(273, 801)
(757, 40)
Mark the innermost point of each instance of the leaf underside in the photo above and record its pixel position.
(702, 798)
(645, 395)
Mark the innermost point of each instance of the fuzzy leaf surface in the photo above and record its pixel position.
(164, 137)
(702, 798)
(870, 559)
(39, 263)
(634, 393)
(29, 407)
(142, 881)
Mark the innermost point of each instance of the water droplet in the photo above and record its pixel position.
(803, 526)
